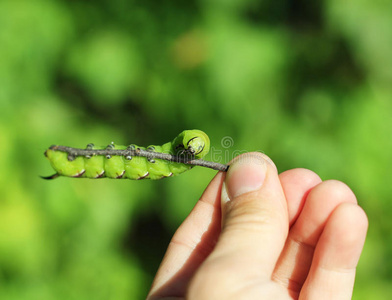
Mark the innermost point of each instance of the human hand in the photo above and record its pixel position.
(287, 236)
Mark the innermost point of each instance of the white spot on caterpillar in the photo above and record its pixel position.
(121, 175)
(79, 174)
(144, 176)
(100, 175)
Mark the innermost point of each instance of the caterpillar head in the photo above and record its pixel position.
(193, 142)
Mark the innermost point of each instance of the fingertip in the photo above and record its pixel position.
(246, 174)
(258, 155)
(320, 203)
(337, 190)
(346, 230)
(296, 184)
(300, 176)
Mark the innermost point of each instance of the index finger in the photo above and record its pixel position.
(191, 244)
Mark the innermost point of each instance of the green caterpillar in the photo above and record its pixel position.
(98, 162)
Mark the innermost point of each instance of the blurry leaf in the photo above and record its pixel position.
(108, 64)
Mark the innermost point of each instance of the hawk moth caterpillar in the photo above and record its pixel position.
(133, 162)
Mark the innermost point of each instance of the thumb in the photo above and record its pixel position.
(254, 214)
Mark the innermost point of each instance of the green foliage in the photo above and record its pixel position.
(307, 83)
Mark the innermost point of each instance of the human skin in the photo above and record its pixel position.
(255, 234)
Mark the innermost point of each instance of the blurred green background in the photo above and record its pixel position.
(308, 83)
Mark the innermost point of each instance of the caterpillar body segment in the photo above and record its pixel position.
(96, 163)
(65, 165)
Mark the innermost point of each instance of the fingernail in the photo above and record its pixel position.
(245, 175)
(224, 196)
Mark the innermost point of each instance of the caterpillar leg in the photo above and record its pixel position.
(114, 165)
(135, 167)
(158, 168)
(94, 165)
